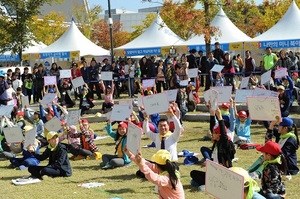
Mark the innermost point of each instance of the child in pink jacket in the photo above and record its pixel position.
(162, 173)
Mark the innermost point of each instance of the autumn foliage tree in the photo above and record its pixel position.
(101, 37)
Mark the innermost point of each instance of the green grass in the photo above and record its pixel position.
(121, 182)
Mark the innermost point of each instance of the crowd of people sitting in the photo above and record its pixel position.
(229, 128)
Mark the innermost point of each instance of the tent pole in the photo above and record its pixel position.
(110, 23)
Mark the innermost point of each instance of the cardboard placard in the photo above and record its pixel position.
(49, 98)
(65, 73)
(73, 117)
(242, 94)
(120, 113)
(148, 83)
(49, 80)
(6, 110)
(77, 82)
(25, 101)
(193, 72)
(134, 135)
(172, 94)
(224, 93)
(53, 125)
(264, 108)
(281, 72)
(106, 76)
(222, 182)
(30, 137)
(265, 78)
(217, 68)
(259, 92)
(244, 82)
(13, 134)
(157, 103)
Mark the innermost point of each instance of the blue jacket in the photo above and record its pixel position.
(289, 88)
(113, 134)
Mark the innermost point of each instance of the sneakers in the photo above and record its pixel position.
(108, 166)
(254, 175)
(287, 177)
(201, 188)
(152, 145)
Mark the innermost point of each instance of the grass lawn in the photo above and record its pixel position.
(122, 182)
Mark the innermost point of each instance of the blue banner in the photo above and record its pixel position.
(224, 47)
(143, 51)
(8, 58)
(295, 43)
(55, 55)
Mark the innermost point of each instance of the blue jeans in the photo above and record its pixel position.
(206, 152)
(24, 161)
(131, 87)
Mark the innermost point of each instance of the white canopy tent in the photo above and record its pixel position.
(285, 33)
(74, 40)
(229, 33)
(150, 42)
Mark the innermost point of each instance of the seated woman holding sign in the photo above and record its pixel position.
(120, 158)
(222, 150)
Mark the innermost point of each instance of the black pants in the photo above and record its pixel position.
(98, 90)
(107, 105)
(198, 177)
(77, 150)
(160, 84)
(39, 171)
(207, 82)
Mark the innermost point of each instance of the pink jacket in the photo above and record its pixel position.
(163, 182)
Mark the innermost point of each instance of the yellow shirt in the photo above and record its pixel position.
(119, 149)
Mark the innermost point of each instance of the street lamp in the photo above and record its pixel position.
(110, 23)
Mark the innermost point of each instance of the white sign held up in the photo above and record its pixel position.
(53, 125)
(25, 101)
(148, 83)
(13, 134)
(172, 94)
(73, 117)
(106, 76)
(224, 93)
(242, 94)
(65, 73)
(30, 137)
(49, 98)
(193, 72)
(120, 113)
(77, 82)
(264, 108)
(244, 82)
(265, 78)
(134, 135)
(281, 72)
(157, 103)
(49, 80)
(217, 68)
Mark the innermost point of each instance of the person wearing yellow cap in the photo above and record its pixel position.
(58, 165)
(162, 172)
(250, 185)
(284, 101)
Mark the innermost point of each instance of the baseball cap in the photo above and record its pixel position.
(295, 74)
(84, 121)
(286, 121)
(20, 113)
(243, 114)
(270, 147)
(161, 157)
(51, 134)
(217, 129)
(225, 106)
(122, 125)
(280, 87)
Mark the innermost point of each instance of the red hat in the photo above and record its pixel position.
(243, 114)
(62, 121)
(84, 121)
(295, 74)
(225, 106)
(123, 125)
(65, 82)
(217, 129)
(270, 147)
(20, 113)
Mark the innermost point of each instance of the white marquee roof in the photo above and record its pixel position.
(74, 40)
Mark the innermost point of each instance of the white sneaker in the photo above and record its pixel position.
(287, 177)
(254, 175)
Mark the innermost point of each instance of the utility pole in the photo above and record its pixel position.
(206, 26)
(110, 23)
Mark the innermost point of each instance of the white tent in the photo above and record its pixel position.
(35, 48)
(156, 36)
(228, 32)
(74, 40)
(286, 29)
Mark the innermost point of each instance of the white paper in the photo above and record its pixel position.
(13, 134)
(224, 93)
(126, 103)
(148, 83)
(65, 73)
(242, 94)
(106, 76)
(157, 103)
(30, 137)
(73, 117)
(91, 185)
(172, 94)
(222, 182)
(244, 82)
(6, 110)
(108, 115)
(10, 103)
(25, 101)
(77, 82)
(140, 100)
(53, 125)
(281, 72)
(193, 72)
(49, 80)
(184, 82)
(217, 68)
(120, 113)
(265, 78)
(264, 108)
(134, 135)
(259, 92)
(214, 99)
(49, 98)
(206, 95)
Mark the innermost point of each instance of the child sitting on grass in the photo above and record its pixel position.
(162, 172)
(120, 158)
(108, 98)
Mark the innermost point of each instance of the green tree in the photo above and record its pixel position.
(86, 21)
(49, 28)
(16, 23)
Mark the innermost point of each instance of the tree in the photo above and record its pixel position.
(49, 28)
(16, 23)
(86, 22)
(101, 34)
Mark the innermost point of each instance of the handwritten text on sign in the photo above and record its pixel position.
(157, 103)
(223, 183)
(263, 108)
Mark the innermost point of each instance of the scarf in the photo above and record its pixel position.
(224, 112)
(166, 135)
(51, 147)
(275, 161)
(36, 121)
(287, 135)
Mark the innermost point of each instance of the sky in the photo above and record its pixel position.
(132, 5)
